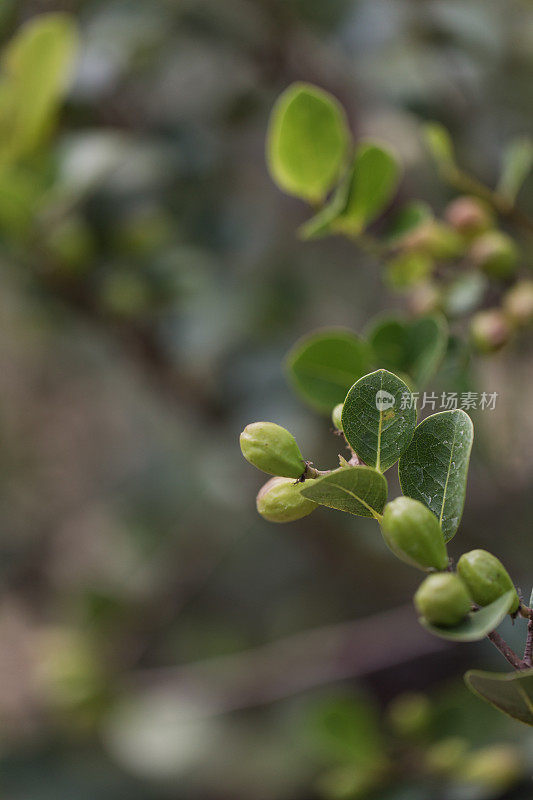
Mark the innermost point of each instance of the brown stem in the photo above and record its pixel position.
(528, 650)
(506, 651)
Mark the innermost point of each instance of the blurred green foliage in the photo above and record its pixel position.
(151, 286)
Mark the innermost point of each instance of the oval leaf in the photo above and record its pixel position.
(307, 141)
(434, 467)
(440, 145)
(364, 193)
(510, 692)
(477, 624)
(414, 347)
(374, 421)
(356, 490)
(517, 164)
(38, 65)
(323, 366)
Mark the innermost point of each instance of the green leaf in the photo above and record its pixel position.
(364, 193)
(517, 164)
(356, 490)
(478, 623)
(37, 69)
(374, 423)
(307, 141)
(406, 220)
(415, 347)
(440, 145)
(322, 367)
(510, 692)
(434, 467)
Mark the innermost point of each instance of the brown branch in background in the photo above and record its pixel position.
(528, 651)
(300, 662)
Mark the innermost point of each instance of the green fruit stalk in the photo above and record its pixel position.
(413, 534)
(279, 500)
(485, 577)
(443, 600)
(272, 449)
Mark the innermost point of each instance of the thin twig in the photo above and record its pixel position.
(507, 652)
(528, 651)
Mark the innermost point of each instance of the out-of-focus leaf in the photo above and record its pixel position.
(407, 219)
(37, 69)
(434, 467)
(517, 164)
(324, 365)
(478, 623)
(413, 347)
(374, 422)
(356, 490)
(363, 195)
(307, 141)
(440, 145)
(510, 692)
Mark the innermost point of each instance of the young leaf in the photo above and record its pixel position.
(375, 422)
(440, 145)
(307, 141)
(434, 467)
(373, 182)
(478, 623)
(37, 66)
(356, 490)
(322, 367)
(510, 692)
(415, 348)
(364, 193)
(517, 163)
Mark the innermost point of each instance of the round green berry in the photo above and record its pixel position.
(485, 577)
(279, 500)
(413, 533)
(443, 599)
(272, 449)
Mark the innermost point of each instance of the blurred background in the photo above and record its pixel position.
(159, 639)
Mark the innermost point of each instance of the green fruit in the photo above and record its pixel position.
(279, 500)
(518, 303)
(413, 533)
(495, 253)
(443, 600)
(435, 239)
(336, 416)
(273, 449)
(485, 577)
(469, 216)
(490, 330)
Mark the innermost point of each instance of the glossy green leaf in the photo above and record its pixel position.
(356, 490)
(414, 347)
(363, 195)
(440, 145)
(374, 421)
(37, 69)
(307, 141)
(322, 367)
(517, 164)
(434, 467)
(510, 692)
(478, 623)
